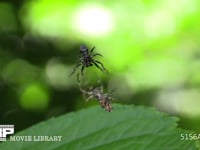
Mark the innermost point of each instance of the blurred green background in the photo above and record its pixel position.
(150, 47)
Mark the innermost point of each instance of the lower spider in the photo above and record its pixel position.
(98, 93)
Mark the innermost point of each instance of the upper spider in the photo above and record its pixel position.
(86, 59)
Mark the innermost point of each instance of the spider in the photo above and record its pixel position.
(98, 93)
(86, 59)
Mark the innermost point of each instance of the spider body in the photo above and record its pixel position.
(86, 59)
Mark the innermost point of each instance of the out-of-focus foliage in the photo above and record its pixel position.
(151, 49)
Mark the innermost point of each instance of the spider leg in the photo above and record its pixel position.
(90, 97)
(85, 92)
(82, 90)
(92, 49)
(102, 68)
(77, 65)
(98, 66)
(79, 81)
(112, 91)
(82, 68)
(109, 107)
(97, 54)
(109, 96)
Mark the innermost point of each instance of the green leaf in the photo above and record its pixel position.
(127, 127)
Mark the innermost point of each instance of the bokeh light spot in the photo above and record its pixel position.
(93, 20)
(58, 75)
(184, 102)
(19, 71)
(157, 73)
(34, 97)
